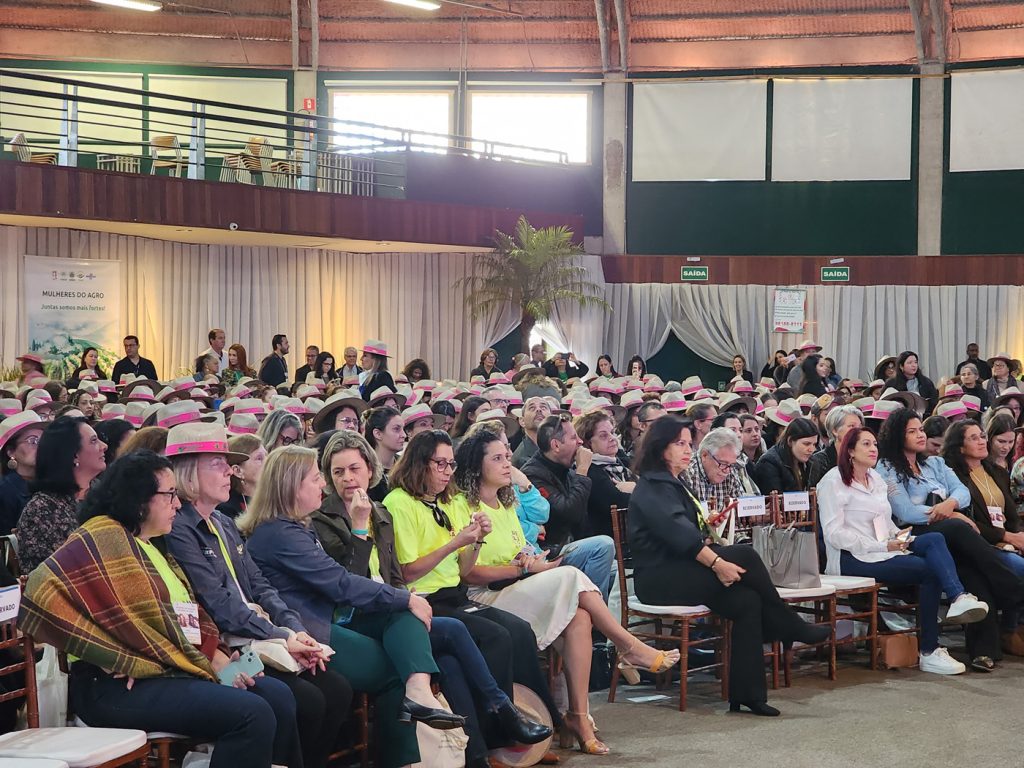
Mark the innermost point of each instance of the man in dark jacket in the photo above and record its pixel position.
(568, 492)
(274, 368)
(132, 362)
(535, 410)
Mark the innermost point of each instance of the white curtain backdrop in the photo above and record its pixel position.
(173, 293)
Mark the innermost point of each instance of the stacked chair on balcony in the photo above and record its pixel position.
(20, 147)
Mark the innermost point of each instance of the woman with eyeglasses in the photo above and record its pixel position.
(70, 455)
(385, 432)
(675, 566)
(434, 555)
(147, 654)
(378, 633)
(488, 365)
(358, 534)
(279, 430)
(560, 603)
(234, 592)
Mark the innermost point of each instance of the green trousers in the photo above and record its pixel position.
(377, 652)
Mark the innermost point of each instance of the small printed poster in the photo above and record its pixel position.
(788, 311)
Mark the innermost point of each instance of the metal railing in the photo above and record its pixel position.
(55, 120)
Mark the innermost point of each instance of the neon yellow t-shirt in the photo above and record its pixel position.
(504, 542)
(223, 549)
(175, 588)
(416, 535)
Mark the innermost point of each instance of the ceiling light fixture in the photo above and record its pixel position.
(135, 5)
(423, 5)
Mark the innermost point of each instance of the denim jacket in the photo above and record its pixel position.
(907, 498)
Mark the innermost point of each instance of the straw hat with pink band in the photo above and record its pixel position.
(380, 394)
(674, 402)
(312, 380)
(952, 410)
(884, 409)
(135, 412)
(290, 404)
(243, 424)
(197, 438)
(411, 415)
(251, 406)
(784, 414)
(36, 379)
(741, 386)
(376, 347)
(865, 404)
(951, 389)
(39, 400)
(616, 412)
(971, 403)
(496, 414)
(141, 392)
(18, 423)
(112, 411)
(810, 346)
(654, 384)
(10, 406)
(106, 387)
(182, 412)
(427, 385)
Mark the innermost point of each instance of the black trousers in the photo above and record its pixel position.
(753, 605)
(322, 704)
(507, 644)
(984, 574)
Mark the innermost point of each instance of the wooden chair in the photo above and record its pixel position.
(166, 153)
(19, 146)
(83, 748)
(857, 594)
(360, 719)
(673, 625)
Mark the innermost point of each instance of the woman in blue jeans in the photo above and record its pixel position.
(862, 540)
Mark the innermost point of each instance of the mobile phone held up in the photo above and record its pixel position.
(248, 662)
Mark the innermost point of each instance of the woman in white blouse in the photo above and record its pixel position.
(862, 540)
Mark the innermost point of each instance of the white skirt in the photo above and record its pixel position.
(547, 600)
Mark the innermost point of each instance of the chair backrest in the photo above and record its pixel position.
(619, 536)
(20, 148)
(167, 143)
(745, 525)
(21, 649)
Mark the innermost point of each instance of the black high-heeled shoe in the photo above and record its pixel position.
(435, 717)
(519, 727)
(756, 708)
(812, 634)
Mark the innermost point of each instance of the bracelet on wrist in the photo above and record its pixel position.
(717, 558)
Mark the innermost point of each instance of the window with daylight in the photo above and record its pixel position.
(551, 121)
(418, 113)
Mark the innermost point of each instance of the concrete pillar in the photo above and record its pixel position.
(929, 154)
(305, 88)
(615, 120)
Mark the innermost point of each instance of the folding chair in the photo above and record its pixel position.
(25, 154)
(159, 147)
(78, 747)
(681, 620)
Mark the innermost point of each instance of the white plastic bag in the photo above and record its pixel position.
(52, 687)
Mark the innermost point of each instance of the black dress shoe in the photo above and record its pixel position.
(438, 718)
(755, 707)
(519, 728)
(812, 634)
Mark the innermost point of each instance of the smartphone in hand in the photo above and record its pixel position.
(248, 662)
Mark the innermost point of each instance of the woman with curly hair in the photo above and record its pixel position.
(416, 370)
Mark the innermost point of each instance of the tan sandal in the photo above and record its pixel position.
(591, 746)
(662, 663)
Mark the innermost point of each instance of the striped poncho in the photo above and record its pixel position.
(100, 599)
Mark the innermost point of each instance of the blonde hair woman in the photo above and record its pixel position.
(375, 629)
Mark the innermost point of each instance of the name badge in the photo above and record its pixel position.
(796, 501)
(10, 602)
(188, 620)
(750, 506)
(997, 517)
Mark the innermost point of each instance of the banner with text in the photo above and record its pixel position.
(72, 305)
(788, 314)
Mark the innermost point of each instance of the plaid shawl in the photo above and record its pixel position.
(100, 598)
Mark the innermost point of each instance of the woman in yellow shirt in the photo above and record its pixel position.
(560, 603)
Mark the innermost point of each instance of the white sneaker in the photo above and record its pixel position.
(940, 662)
(967, 609)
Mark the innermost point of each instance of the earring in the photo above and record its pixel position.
(76, 463)
(12, 464)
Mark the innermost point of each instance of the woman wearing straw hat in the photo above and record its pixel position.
(19, 443)
(341, 411)
(375, 368)
(30, 364)
(231, 588)
(1001, 379)
(379, 633)
(69, 457)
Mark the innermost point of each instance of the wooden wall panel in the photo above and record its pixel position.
(39, 190)
(982, 269)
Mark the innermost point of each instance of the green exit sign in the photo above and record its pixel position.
(693, 273)
(835, 274)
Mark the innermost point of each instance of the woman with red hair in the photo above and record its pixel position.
(238, 366)
(862, 540)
